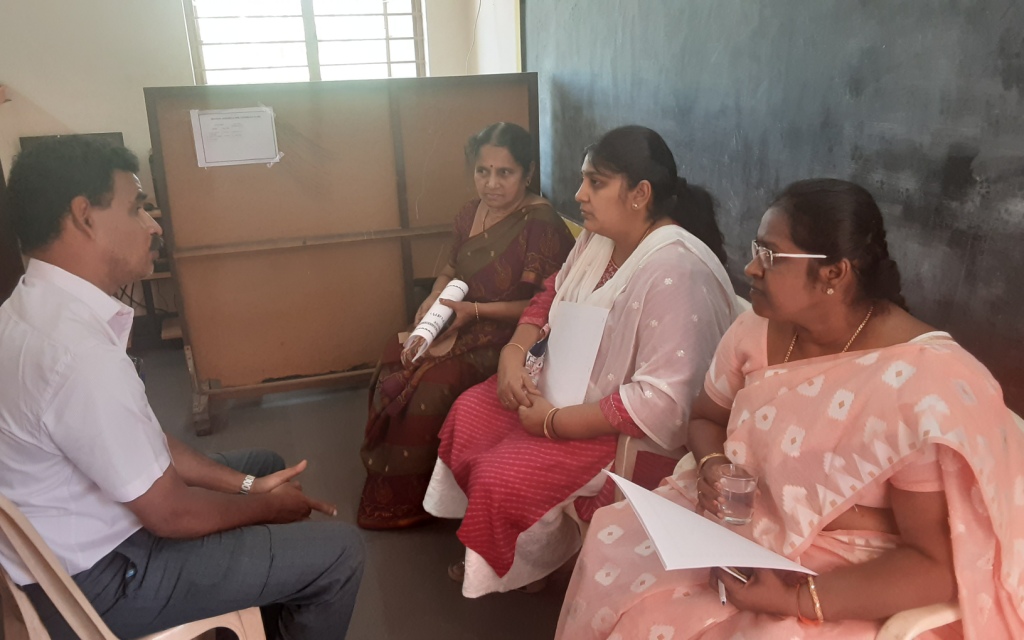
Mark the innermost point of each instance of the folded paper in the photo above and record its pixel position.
(685, 540)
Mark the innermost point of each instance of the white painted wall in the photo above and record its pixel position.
(497, 36)
(79, 67)
(72, 66)
(447, 24)
(451, 47)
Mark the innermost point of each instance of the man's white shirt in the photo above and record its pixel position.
(77, 435)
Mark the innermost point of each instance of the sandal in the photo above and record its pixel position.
(457, 571)
(534, 587)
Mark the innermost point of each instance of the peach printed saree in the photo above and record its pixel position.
(825, 434)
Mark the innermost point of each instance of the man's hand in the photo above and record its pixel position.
(293, 505)
(172, 509)
(266, 484)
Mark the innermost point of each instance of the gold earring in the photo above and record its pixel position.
(830, 291)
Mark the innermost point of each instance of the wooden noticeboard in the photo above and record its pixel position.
(296, 274)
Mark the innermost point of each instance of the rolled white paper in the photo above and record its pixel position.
(436, 317)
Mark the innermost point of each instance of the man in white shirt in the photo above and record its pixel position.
(153, 532)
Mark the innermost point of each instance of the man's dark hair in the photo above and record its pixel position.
(47, 177)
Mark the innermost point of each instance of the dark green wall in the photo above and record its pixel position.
(920, 102)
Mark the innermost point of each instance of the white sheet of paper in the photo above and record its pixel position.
(235, 136)
(685, 540)
(576, 331)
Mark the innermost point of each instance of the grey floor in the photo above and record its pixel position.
(406, 594)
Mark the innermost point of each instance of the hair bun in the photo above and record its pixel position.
(884, 282)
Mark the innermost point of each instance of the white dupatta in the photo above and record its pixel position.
(578, 284)
(669, 305)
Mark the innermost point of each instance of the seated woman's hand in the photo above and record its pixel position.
(709, 497)
(464, 313)
(410, 351)
(425, 307)
(514, 384)
(532, 416)
(766, 591)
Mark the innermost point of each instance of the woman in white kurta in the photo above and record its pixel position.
(510, 462)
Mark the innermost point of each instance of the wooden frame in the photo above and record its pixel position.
(295, 275)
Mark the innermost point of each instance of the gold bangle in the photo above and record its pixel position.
(554, 434)
(547, 434)
(814, 598)
(476, 308)
(799, 614)
(515, 344)
(700, 465)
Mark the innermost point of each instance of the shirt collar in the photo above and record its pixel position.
(117, 315)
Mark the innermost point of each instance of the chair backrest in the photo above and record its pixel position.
(574, 228)
(43, 566)
(627, 450)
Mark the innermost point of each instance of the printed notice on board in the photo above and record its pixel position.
(235, 136)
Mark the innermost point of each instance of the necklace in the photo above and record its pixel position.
(483, 223)
(642, 238)
(792, 343)
(646, 233)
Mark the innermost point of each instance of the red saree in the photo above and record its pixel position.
(507, 262)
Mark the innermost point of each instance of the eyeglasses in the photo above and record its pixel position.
(767, 257)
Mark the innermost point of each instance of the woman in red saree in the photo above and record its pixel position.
(505, 244)
(510, 462)
(888, 462)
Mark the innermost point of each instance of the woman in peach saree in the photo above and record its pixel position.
(888, 462)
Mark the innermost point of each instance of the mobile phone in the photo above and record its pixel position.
(736, 573)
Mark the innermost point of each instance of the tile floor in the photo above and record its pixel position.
(406, 594)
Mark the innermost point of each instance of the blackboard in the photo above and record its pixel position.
(920, 102)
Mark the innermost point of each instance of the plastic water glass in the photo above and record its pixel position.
(738, 487)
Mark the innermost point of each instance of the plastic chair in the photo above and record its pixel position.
(574, 227)
(629, 447)
(911, 623)
(21, 622)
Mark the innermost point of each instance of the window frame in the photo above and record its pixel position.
(312, 42)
